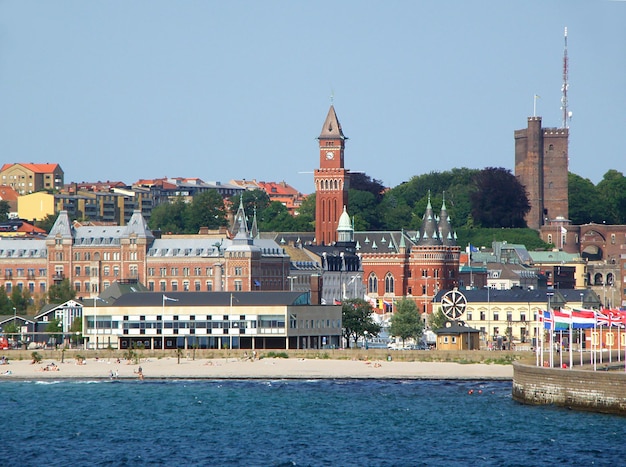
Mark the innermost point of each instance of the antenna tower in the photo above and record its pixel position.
(566, 114)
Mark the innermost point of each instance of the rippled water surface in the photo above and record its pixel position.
(295, 423)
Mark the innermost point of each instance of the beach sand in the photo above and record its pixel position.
(265, 368)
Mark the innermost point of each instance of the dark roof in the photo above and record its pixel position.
(155, 299)
(455, 327)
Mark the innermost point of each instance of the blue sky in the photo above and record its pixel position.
(123, 90)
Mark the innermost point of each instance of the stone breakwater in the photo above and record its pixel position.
(596, 391)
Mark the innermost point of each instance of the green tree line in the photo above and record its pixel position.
(483, 205)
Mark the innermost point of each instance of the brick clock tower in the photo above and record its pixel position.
(331, 181)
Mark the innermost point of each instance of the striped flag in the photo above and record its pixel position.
(583, 319)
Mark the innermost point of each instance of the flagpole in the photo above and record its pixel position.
(537, 336)
(570, 341)
(162, 327)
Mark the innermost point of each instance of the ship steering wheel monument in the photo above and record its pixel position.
(453, 304)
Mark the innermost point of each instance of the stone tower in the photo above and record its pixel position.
(541, 165)
(331, 180)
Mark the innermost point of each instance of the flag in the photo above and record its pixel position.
(609, 318)
(583, 319)
(554, 320)
(563, 230)
(337, 302)
(471, 248)
(166, 298)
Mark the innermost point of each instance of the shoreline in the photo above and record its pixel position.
(171, 368)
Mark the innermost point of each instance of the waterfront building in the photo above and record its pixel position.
(216, 320)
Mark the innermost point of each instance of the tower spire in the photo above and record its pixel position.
(566, 115)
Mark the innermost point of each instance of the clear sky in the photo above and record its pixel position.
(221, 90)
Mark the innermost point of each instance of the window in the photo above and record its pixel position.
(150, 271)
(87, 271)
(469, 315)
(209, 286)
(509, 316)
(372, 284)
(482, 316)
(186, 286)
(163, 272)
(77, 286)
(238, 286)
(186, 272)
(389, 284)
(197, 271)
(496, 316)
(196, 286)
(106, 270)
(162, 286)
(174, 286)
(87, 256)
(151, 286)
(174, 272)
(238, 271)
(77, 271)
(116, 271)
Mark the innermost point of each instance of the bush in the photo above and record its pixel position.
(36, 357)
(275, 355)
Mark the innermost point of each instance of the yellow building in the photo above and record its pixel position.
(36, 206)
(29, 178)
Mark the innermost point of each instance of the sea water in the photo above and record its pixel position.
(295, 423)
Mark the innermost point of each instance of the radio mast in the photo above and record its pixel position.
(566, 114)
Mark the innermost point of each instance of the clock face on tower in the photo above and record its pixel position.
(330, 155)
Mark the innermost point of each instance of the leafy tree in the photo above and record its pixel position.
(613, 191)
(206, 210)
(77, 330)
(406, 321)
(5, 303)
(253, 200)
(275, 217)
(18, 300)
(356, 315)
(362, 182)
(585, 201)
(47, 222)
(53, 327)
(11, 328)
(364, 209)
(5, 209)
(169, 217)
(61, 292)
(437, 320)
(498, 199)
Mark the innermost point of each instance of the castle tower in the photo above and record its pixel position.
(541, 165)
(331, 180)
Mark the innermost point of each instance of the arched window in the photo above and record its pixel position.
(372, 284)
(389, 284)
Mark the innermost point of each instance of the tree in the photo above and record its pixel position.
(47, 222)
(53, 327)
(437, 320)
(61, 292)
(585, 204)
(356, 316)
(5, 303)
(613, 191)
(5, 209)
(18, 300)
(206, 210)
(498, 199)
(169, 217)
(406, 321)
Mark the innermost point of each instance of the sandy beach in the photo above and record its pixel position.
(238, 368)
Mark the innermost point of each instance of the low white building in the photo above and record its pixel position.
(212, 320)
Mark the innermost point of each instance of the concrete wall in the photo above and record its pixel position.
(597, 391)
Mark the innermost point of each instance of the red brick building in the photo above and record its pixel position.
(541, 164)
(395, 265)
